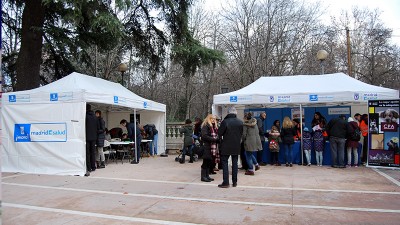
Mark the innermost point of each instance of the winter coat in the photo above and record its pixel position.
(318, 140)
(207, 139)
(261, 128)
(150, 130)
(131, 131)
(230, 134)
(350, 142)
(187, 131)
(101, 136)
(91, 126)
(287, 135)
(274, 135)
(307, 140)
(250, 137)
(337, 127)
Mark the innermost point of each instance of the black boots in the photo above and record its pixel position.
(102, 165)
(204, 175)
(182, 160)
(208, 175)
(191, 158)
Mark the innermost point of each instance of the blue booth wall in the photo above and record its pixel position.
(279, 113)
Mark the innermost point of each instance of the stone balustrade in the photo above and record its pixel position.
(173, 138)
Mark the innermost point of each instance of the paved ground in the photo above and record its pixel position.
(162, 191)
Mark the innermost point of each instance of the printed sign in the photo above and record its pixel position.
(313, 98)
(283, 98)
(116, 99)
(19, 98)
(145, 105)
(383, 148)
(339, 111)
(233, 98)
(53, 97)
(40, 132)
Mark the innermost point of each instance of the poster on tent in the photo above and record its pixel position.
(384, 133)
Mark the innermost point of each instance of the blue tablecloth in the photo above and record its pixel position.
(297, 154)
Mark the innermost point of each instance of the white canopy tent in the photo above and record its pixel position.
(301, 91)
(305, 90)
(43, 129)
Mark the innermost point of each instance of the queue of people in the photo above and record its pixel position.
(234, 137)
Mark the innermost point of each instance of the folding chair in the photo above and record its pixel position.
(108, 151)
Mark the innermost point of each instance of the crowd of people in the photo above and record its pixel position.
(97, 134)
(232, 137)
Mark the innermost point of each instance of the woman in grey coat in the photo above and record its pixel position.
(252, 142)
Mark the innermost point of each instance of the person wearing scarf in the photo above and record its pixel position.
(210, 138)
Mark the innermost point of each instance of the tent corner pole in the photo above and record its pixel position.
(136, 144)
(301, 133)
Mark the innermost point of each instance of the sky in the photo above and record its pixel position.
(390, 10)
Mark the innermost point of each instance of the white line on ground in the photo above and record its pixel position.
(253, 187)
(387, 176)
(97, 215)
(208, 200)
(12, 176)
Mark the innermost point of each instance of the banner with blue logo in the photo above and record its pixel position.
(40, 132)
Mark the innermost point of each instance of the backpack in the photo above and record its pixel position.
(356, 135)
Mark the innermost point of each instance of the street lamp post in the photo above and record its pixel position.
(122, 68)
(321, 56)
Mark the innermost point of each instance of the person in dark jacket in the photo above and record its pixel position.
(91, 137)
(230, 133)
(288, 133)
(209, 136)
(261, 132)
(152, 134)
(101, 136)
(352, 142)
(131, 128)
(337, 129)
(187, 131)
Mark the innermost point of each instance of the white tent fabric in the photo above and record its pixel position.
(329, 89)
(43, 129)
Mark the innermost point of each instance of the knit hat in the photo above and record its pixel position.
(350, 119)
(305, 129)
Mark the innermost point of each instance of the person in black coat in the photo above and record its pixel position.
(91, 137)
(338, 130)
(209, 137)
(101, 136)
(288, 133)
(230, 134)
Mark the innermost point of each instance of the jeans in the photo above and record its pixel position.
(308, 156)
(153, 151)
(354, 150)
(251, 160)
(288, 152)
(100, 154)
(319, 157)
(224, 161)
(337, 150)
(187, 149)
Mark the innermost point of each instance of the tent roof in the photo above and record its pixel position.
(328, 89)
(80, 87)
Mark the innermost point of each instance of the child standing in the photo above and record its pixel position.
(274, 139)
(319, 143)
(307, 139)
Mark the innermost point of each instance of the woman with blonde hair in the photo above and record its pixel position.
(288, 133)
(209, 136)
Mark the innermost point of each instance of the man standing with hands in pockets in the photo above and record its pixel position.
(230, 134)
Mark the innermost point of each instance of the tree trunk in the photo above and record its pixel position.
(30, 54)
